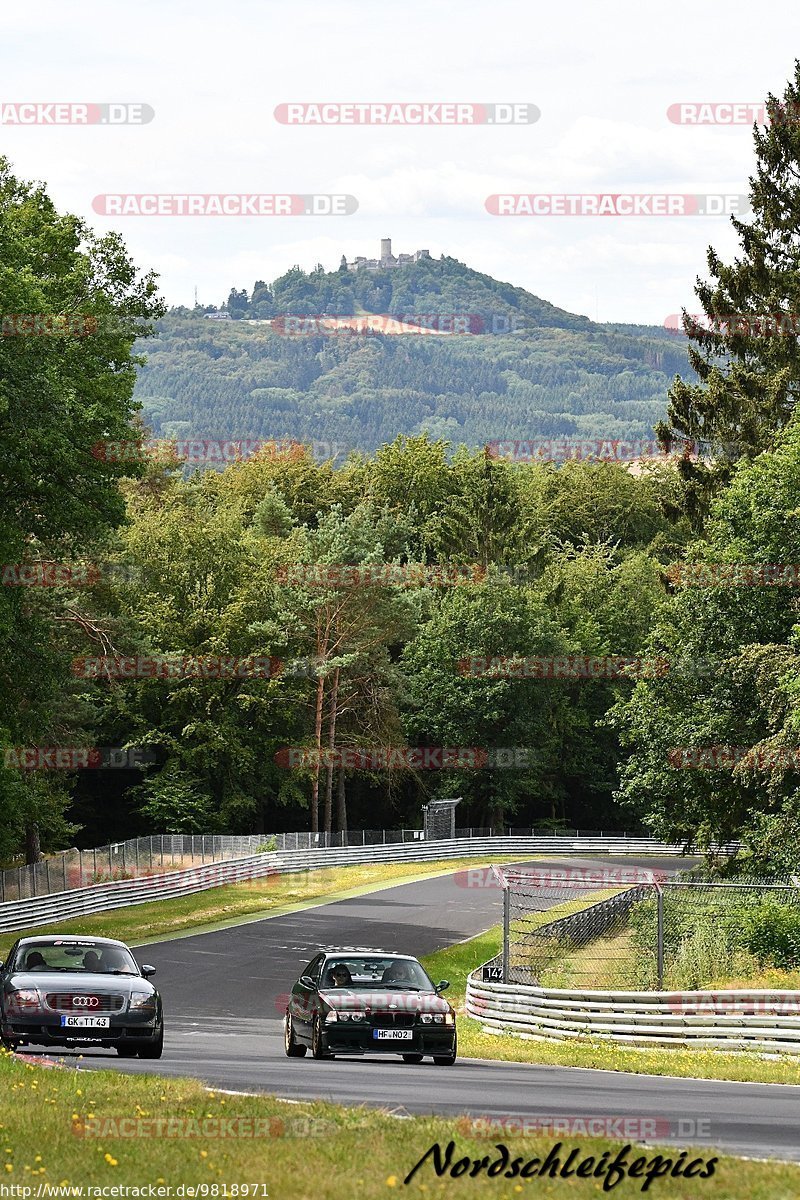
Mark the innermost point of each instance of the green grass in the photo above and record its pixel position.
(61, 1127)
(234, 903)
(456, 962)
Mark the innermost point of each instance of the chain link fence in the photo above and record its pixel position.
(633, 929)
(176, 851)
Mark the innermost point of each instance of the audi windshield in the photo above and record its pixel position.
(85, 956)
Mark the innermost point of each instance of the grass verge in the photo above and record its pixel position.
(456, 962)
(64, 1128)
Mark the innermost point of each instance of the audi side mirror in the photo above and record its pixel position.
(147, 970)
(443, 985)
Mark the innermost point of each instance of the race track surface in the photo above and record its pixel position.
(224, 997)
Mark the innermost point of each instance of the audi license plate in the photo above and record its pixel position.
(391, 1035)
(86, 1022)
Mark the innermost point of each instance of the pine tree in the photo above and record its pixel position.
(746, 355)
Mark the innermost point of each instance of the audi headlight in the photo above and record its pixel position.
(142, 1000)
(24, 1000)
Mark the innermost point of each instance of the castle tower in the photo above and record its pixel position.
(386, 248)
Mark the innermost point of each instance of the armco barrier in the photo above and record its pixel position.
(732, 1020)
(42, 910)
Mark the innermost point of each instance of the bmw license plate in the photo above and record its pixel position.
(86, 1022)
(393, 1035)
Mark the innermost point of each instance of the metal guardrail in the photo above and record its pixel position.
(43, 910)
(732, 1019)
(158, 854)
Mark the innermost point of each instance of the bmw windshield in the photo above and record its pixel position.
(362, 972)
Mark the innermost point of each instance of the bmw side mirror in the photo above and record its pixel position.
(307, 981)
(443, 986)
(147, 970)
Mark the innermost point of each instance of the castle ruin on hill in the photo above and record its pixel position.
(386, 260)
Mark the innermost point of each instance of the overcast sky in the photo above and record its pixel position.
(603, 77)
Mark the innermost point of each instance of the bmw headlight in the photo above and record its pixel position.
(332, 1017)
(142, 1000)
(426, 1018)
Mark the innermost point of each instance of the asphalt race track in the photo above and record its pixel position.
(224, 998)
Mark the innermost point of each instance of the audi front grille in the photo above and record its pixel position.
(74, 1002)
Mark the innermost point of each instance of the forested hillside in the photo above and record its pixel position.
(534, 371)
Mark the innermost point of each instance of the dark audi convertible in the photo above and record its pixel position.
(362, 1002)
(74, 991)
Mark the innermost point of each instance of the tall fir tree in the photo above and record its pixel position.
(746, 354)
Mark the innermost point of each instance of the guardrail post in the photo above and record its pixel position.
(660, 935)
(506, 930)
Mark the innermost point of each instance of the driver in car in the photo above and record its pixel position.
(398, 972)
(340, 974)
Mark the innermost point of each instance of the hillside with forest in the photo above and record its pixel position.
(531, 371)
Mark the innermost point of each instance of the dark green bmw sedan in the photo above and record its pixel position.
(368, 1002)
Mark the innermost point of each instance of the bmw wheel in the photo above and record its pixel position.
(317, 1049)
(293, 1049)
(447, 1060)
